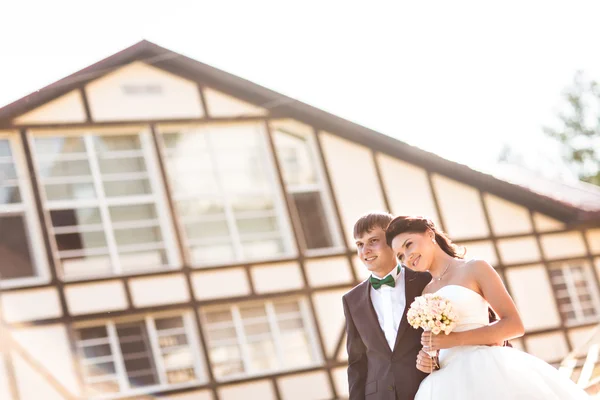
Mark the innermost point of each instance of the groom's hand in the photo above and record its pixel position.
(425, 363)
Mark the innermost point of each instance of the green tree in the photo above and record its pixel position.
(578, 128)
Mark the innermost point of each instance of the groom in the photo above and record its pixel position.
(382, 347)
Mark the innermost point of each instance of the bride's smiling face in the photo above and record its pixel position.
(414, 250)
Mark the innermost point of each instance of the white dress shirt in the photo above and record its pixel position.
(389, 303)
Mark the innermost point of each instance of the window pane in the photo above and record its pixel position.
(222, 339)
(226, 361)
(181, 375)
(207, 230)
(82, 229)
(79, 241)
(222, 334)
(66, 169)
(10, 194)
(115, 143)
(216, 316)
(169, 323)
(296, 158)
(7, 170)
(253, 312)
(296, 349)
(97, 332)
(294, 334)
(109, 166)
(286, 308)
(119, 157)
(313, 220)
(262, 248)
(176, 353)
(137, 212)
(14, 248)
(224, 190)
(127, 188)
(186, 140)
(575, 291)
(262, 355)
(100, 369)
(132, 261)
(70, 191)
(200, 208)
(137, 355)
(191, 184)
(9, 178)
(270, 335)
(97, 360)
(58, 145)
(74, 217)
(5, 148)
(215, 253)
(298, 162)
(94, 351)
(243, 172)
(125, 237)
(248, 226)
(85, 266)
(71, 168)
(252, 204)
(261, 347)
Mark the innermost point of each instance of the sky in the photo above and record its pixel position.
(459, 79)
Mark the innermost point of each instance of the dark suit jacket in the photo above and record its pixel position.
(375, 371)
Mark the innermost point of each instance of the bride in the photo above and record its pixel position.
(471, 367)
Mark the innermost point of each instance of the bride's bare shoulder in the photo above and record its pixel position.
(478, 268)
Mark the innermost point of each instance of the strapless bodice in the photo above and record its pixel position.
(471, 308)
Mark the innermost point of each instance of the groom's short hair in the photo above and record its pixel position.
(370, 221)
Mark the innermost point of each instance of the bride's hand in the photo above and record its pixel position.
(431, 342)
(426, 363)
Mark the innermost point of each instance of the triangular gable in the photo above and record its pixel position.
(221, 105)
(65, 109)
(285, 107)
(139, 91)
(544, 223)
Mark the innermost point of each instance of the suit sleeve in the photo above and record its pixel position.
(357, 358)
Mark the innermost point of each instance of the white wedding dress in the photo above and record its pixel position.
(490, 372)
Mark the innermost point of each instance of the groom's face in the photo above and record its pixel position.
(374, 252)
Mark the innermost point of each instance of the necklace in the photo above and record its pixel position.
(439, 278)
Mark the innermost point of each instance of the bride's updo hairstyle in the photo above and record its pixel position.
(406, 224)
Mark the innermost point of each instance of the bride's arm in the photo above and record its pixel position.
(508, 326)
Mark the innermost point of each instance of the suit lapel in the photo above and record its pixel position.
(371, 316)
(411, 290)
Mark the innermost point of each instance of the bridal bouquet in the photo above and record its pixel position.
(432, 313)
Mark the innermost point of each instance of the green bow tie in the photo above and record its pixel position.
(388, 280)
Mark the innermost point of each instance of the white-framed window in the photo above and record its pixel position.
(105, 203)
(139, 354)
(229, 206)
(260, 337)
(576, 292)
(21, 249)
(305, 184)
